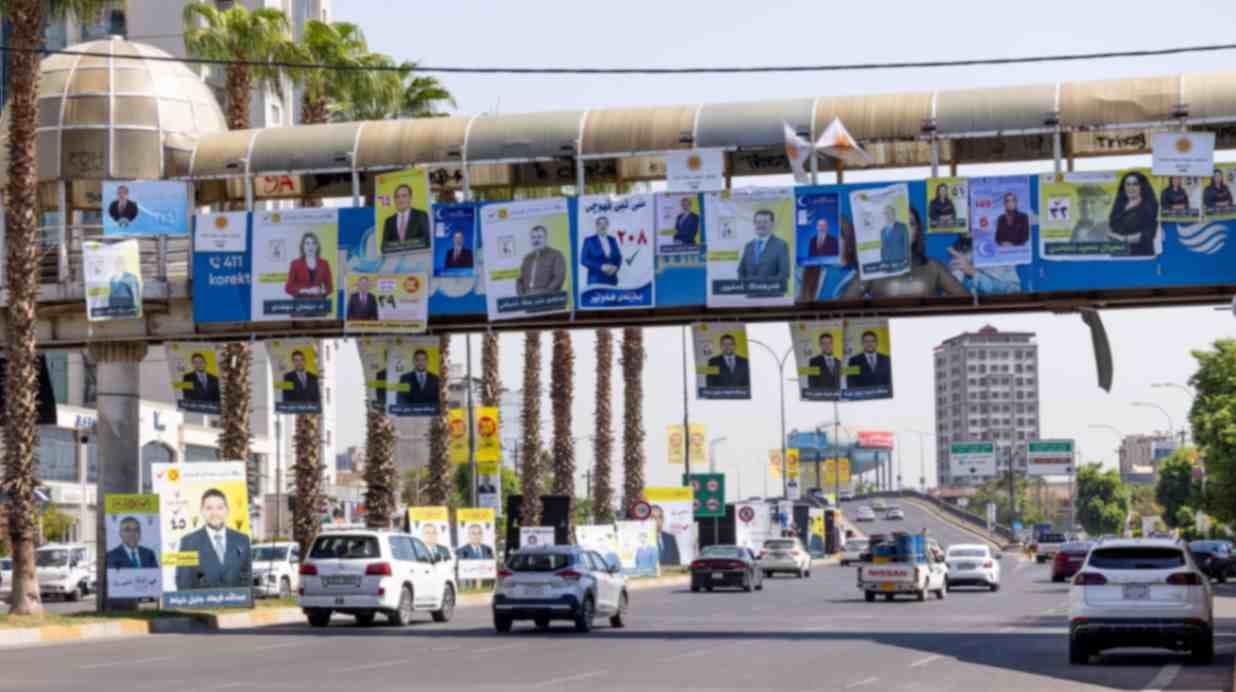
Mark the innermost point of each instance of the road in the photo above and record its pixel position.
(811, 634)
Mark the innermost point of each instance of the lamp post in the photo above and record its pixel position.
(1150, 404)
(712, 453)
(922, 458)
(781, 361)
(1189, 391)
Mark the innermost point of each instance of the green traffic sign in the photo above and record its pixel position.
(709, 492)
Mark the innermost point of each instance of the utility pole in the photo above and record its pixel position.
(471, 415)
(686, 412)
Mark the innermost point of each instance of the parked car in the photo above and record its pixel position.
(864, 513)
(276, 569)
(726, 565)
(370, 572)
(1141, 592)
(1214, 558)
(1069, 559)
(853, 551)
(64, 570)
(785, 555)
(846, 495)
(972, 565)
(546, 583)
(894, 513)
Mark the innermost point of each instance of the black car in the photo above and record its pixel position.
(726, 565)
(1214, 558)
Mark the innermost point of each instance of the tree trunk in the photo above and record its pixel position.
(314, 110)
(491, 379)
(530, 452)
(633, 417)
(603, 436)
(234, 436)
(310, 502)
(238, 84)
(438, 484)
(381, 474)
(561, 394)
(22, 276)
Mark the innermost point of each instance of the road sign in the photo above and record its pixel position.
(746, 514)
(1049, 458)
(641, 510)
(709, 489)
(971, 459)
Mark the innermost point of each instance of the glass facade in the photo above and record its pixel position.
(57, 456)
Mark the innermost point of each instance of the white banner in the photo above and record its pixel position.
(601, 538)
(752, 525)
(637, 541)
(695, 170)
(134, 542)
(882, 230)
(527, 258)
(532, 536)
(1183, 153)
(616, 251)
(113, 278)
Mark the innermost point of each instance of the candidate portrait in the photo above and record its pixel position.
(457, 255)
(301, 385)
(601, 255)
(827, 365)
(406, 229)
(543, 269)
(122, 210)
(475, 548)
(870, 368)
(765, 257)
(731, 369)
(200, 384)
(130, 554)
(418, 386)
(223, 559)
(686, 224)
(362, 304)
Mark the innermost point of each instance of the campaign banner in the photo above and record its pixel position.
(457, 436)
(1049, 457)
(112, 274)
(488, 428)
(1181, 199)
(1000, 220)
(222, 267)
(1182, 153)
(433, 526)
(602, 539)
(489, 484)
(971, 459)
(145, 208)
(695, 170)
(475, 552)
(673, 513)
(204, 520)
(373, 355)
(834, 473)
(679, 231)
(1099, 215)
(401, 210)
(637, 548)
(1217, 202)
(413, 376)
(194, 370)
(876, 439)
(819, 348)
(527, 248)
(387, 303)
(455, 240)
(948, 205)
(532, 536)
(616, 252)
(675, 444)
(752, 525)
(751, 239)
(882, 230)
(722, 369)
(294, 264)
(134, 541)
(295, 375)
(791, 464)
(869, 364)
(817, 223)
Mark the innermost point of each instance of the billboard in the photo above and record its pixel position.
(869, 365)
(134, 542)
(294, 375)
(673, 514)
(882, 230)
(819, 349)
(751, 240)
(294, 255)
(615, 252)
(679, 227)
(112, 274)
(722, 365)
(876, 439)
(402, 210)
(194, 370)
(386, 303)
(527, 257)
(1049, 458)
(145, 208)
(948, 205)
(413, 376)
(1111, 215)
(971, 459)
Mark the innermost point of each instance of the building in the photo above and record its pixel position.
(987, 389)
(1140, 456)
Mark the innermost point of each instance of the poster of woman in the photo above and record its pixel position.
(294, 263)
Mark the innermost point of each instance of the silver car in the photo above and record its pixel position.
(785, 555)
(548, 583)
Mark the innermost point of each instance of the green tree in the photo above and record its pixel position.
(1213, 418)
(422, 94)
(1143, 500)
(325, 90)
(56, 524)
(1102, 500)
(1176, 487)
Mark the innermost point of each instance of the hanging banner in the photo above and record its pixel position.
(134, 542)
(678, 223)
(294, 264)
(882, 230)
(791, 462)
(1181, 199)
(876, 439)
(373, 356)
(797, 152)
(722, 370)
(145, 208)
(432, 526)
(222, 267)
(527, 249)
(476, 554)
(193, 367)
(971, 459)
(489, 484)
(1182, 153)
(1049, 458)
(1099, 215)
(601, 538)
(818, 357)
(455, 239)
(616, 252)
(1000, 221)
(948, 205)
(457, 436)
(637, 548)
(488, 442)
(818, 227)
(1217, 201)
(387, 303)
(835, 472)
(695, 170)
(673, 513)
(751, 239)
(869, 371)
(698, 442)
(112, 274)
(294, 374)
(532, 536)
(413, 376)
(402, 210)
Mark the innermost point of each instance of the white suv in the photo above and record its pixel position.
(1143, 592)
(559, 583)
(276, 569)
(365, 572)
(65, 570)
(785, 555)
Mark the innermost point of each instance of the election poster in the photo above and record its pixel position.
(194, 370)
(488, 442)
(387, 303)
(401, 210)
(722, 369)
(971, 459)
(602, 539)
(204, 518)
(294, 264)
(294, 375)
(433, 526)
(1000, 221)
(112, 273)
(751, 239)
(455, 239)
(1181, 199)
(616, 252)
(1217, 201)
(532, 536)
(475, 552)
(373, 356)
(134, 542)
(457, 436)
(489, 484)
(1099, 215)
(835, 473)
(869, 364)
(819, 348)
(817, 224)
(145, 208)
(948, 206)
(673, 514)
(222, 267)
(679, 231)
(527, 248)
(882, 230)
(413, 376)
(791, 465)
(1182, 153)
(676, 444)
(637, 548)
(695, 170)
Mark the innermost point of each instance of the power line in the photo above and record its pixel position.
(843, 67)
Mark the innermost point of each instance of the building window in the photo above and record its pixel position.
(200, 453)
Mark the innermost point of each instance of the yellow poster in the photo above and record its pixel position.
(830, 470)
(402, 211)
(413, 376)
(432, 526)
(791, 462)
(722, 369)
(487, 468)
(699, 446)
(1100, 215)
(387, 303)
(294, 370)
(488, 442)
(457, 436)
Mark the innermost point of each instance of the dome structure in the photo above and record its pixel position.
(118, 115)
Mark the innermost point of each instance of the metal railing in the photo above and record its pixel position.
(970, 518)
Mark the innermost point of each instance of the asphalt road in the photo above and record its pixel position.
(811, 634)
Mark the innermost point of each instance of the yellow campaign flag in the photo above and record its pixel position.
(774, 462)
(431, 513)
(791, 462)
(488, 442)
(456, 436)
(488, 468)
(831, 469)
(699, 444)
(474, 515)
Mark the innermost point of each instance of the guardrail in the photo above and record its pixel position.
(968, 517)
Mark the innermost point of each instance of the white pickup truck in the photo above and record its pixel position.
(892, 578)
(1048, 545)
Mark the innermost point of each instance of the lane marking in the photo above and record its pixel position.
(1164, 679)
(371, 666)
(498, 648)
(125, 663)
(569, 678)
(269, 647)
(860, 683)
(925, 661)
(688, 654)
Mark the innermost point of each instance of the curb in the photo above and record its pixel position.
(954, 522)
(60, 634)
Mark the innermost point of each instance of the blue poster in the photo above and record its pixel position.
(1000, 220)
(454, 239)
(818, 226)
(222, 268)
(145, 207)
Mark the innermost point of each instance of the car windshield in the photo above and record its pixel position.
(51, 558)
(1136, 557)
(343, 547)
(724, 551)
(779, 545)
(269, 553)
(967, 552)
(538, 562)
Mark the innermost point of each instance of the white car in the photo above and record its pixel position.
(1141, 592)
(853, 550)
(564, 582)
(973, 565)
(65, 570)
(878, 504)
(785, 555)
(847, 495)
(864, 513)
(894, 513)
(276, 569)
(364, 573)
(6, 576)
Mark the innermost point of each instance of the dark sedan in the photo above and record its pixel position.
(1214, 558)
(1069, 559)
(726, 565)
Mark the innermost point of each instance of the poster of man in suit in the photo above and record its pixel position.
(751, 247)
(673, 513)
(294, 364)
(680, 230)
(869, 365)
(474, 528)
(194, 370)
(615, 252)
(413, 372)
(722, 370)
(882, 230)
(373, 356)
(527, 247)
(818, 225)
(145, 208)
(133, 546)
(112, 276)
(818, 353)
(402, 210)
(455, 239)
(387, 303)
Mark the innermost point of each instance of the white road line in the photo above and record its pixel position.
(498, 648)
(860, 683)
(268, 647)
(688, 654)
(127, 662)
(569, 678)
(925, 661)
(371, 666)
(1164, 679)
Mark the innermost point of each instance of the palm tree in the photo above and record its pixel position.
(633, 416)
(561, 394)
(422, 95)
(381, 474)
(376, 98)
(310, 501)
(603, 436)
(338, 43)
(438, 484)
(530, 452)
(491, 380)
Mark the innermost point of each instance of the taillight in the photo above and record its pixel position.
(569, 574)
(1061, 557)
(697, 565)
(378, 569)
(737, 565)
(307, 570)
(1089, 579)
(987, 564)
(504, 573)
(1184, 579)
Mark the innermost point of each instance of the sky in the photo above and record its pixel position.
(1149, 345)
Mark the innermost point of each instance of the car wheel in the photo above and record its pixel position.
(583, 619)
(285, 588)
(616, 620)
(747, 582)
(995, 587)
(364, 619)
(541, 623)
(447, 610)
(921, 595)
(1203, 651)
(318, 617)
(1079, 655)
(75, 595)
(402, 615)
(502, 623)
(870, 595)
(1056, 579)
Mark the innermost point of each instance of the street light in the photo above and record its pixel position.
(922, 458)
(1150, 404)
(1189, 391)
(781, 361)
(712, 453)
